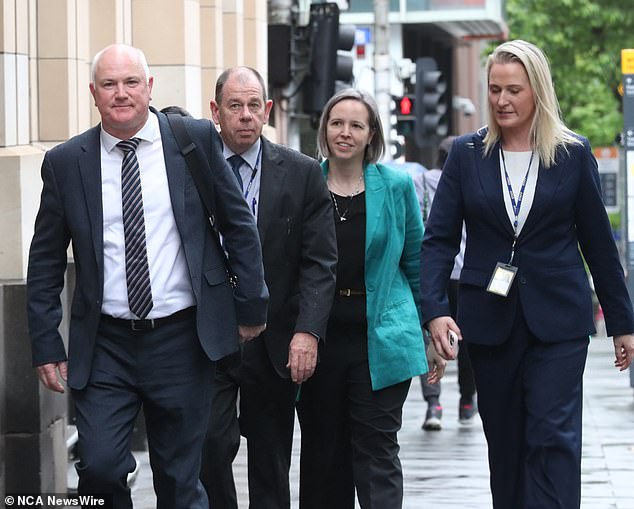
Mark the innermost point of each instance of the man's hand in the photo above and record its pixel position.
(439, 329)
(48, 374)
(623, 351)
(302, 356)
(249, 332)
(436, 364)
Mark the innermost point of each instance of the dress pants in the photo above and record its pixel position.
(530, 400)
(166, 372)
(222, 440)
(267, 418)
(349, 431)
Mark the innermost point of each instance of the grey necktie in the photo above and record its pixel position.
(136, 262)
(236, 161)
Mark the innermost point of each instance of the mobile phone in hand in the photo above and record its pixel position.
(453, 340)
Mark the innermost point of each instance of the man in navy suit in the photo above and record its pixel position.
(287, 193)
(122, 194)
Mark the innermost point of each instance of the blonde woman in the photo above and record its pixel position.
(528, 191)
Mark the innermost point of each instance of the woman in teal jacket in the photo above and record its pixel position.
(350, 410)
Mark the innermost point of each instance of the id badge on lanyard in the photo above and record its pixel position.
(502, 279)
(504, 273)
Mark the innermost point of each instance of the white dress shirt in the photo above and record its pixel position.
(169, 274)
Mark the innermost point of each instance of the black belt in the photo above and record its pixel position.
(151, 323)
(347, 292)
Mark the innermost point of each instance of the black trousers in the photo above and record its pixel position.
(349, 431)
(166, 372)
(267, 418)
(530, 400)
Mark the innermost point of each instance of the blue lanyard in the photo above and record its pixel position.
(518, 205)
(258, 162)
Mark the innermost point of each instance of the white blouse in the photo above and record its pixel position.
(516, 166)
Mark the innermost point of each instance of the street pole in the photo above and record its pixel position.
(382, 67)
(280, 14)
(627, 68)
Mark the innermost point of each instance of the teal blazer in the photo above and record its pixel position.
(393, 237)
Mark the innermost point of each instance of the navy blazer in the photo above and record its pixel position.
(567, 218)
(71, 210)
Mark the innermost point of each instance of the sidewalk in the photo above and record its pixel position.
(449, 469)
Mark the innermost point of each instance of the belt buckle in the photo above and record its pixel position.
(346, 292)
(140, 327)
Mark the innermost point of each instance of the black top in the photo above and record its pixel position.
(351, 261)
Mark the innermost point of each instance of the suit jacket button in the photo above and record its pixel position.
(522, 280)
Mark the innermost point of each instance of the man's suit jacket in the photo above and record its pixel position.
(71, 210)
(567, 218)
(299, 248)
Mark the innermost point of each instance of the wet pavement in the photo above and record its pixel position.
(448, 468)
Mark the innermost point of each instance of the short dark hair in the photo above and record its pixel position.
(176, 110)
(443, 151)
(222, 79)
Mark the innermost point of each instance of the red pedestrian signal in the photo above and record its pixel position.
(406, 107)
(402, 109)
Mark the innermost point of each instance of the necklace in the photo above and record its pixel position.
(357, 190)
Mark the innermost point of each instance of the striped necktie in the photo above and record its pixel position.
(136, 262)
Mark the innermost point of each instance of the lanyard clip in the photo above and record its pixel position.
(512, 250)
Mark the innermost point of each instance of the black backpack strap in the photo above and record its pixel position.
(205, 187)
(188, 150)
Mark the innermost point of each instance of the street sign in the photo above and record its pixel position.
(608, 161)
(627, 69)
(609, 191)
(627, 61)
(627, 64)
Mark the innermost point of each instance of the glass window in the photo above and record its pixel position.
(368, 6)
(455, 4)
(417, 5)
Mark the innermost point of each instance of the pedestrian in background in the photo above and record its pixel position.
(528, 190)
(152, 304)
(177, 110)
(426, 185)
(351, 410)
(287, 194)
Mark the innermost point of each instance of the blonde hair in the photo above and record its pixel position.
(548, 131)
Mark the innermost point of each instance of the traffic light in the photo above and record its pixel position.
(327, 65)
(431, 104)
(403, 108)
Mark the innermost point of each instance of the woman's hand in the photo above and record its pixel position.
(436, 364)
(440, 328)
(623, 351)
